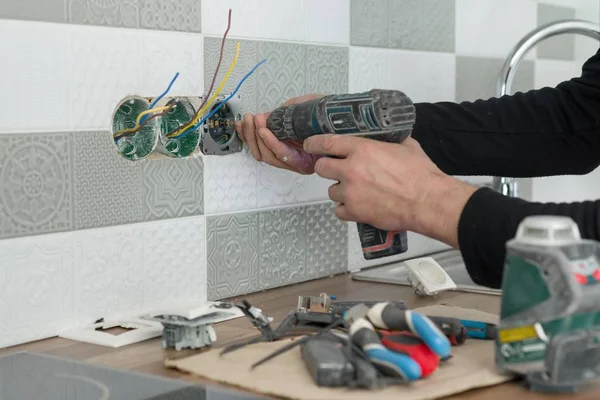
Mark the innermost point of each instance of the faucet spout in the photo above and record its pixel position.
(506, 185)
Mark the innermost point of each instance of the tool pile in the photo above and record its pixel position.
(364, 344)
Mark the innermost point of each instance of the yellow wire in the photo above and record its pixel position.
(212, 99)
(139, 118)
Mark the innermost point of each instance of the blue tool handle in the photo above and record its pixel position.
(388, 362)
(479, 330)
(386, 316)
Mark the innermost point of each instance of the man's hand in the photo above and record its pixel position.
(394, 187)
(265, 147)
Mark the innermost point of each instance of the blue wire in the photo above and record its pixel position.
(160, 97)
(239, 85)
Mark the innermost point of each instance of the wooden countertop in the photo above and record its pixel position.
(148, 356)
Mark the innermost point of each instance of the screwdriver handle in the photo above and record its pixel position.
(377, 243)
(390, 363)
(388, 317)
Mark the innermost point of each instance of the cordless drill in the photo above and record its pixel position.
(384, 115)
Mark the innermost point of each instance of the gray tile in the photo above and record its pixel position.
(36, 184)
(561, 47)
(476, 77)
(232, 255)
(123, 13)
(326, 69)
(326, 242)
(426, 25)
(107, 187)
(369, 23)
(283, 76)
(282, 247)
(172, 188)
(246, 60)
(173, 15)
(34, 10)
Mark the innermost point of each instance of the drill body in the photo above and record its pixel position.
(383, 115)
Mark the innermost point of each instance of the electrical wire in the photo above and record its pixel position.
(214, 79)
(137, 121)
(163, 94)
(212, 99)
(146, 122)
(239, 85)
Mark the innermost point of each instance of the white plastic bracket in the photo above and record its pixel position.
(427, 277)
(140, 330)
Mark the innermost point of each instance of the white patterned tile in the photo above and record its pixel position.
(278, 187)
(317, 188)
(283, 22)
(326, 69)
(367, 69)
(418, 245)
(123, 13)
(549, 73)
(101, 74)
(423, 76)
(230, 183)
(109, 272)
(171, 15)
(34, 76)
(337, 28)
(245, 17)
(174, 254)
(37, 290)
(326, 242)
(482, 27)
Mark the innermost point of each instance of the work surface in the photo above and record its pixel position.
(148, 356)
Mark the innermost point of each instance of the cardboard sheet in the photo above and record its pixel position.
(472, 366)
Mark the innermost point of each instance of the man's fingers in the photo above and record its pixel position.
(342, 213)
(329, 168)
(336, 193)
(250, 135)
(302, 99)
(332, 145)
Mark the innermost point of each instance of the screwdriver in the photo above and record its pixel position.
(412, 346)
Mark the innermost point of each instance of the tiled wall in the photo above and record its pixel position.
(85, 234)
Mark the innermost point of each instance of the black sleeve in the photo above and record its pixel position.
(551, 131)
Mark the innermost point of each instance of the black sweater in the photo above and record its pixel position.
(551, 131)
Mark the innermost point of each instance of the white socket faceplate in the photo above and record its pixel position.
(428, 277)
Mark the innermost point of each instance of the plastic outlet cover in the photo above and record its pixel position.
(218, 311)
(140, 330)
(428, 277)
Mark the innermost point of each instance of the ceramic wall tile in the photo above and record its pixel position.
(34, 76)
(245, 18)
(109, 273)
(278, 187)
(107, 187)
(172, 188)
(232, 255)
(125, 13)
(35, 10)
(326, 69)
(326, 242)
(174, 262)
(171, 15)
(549, 73)
(336, 30)
(36, 184)
(369, 25)
(368, 69)
(37, 291)
(561, 47)
(285, 23)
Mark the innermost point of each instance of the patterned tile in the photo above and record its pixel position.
(245, 18)
(282, 247)
(230, 183)
(279, 187)
(36, 287)
(107, 187)
(124, 13)
(369, 23)
(426, 25)
(368, 69)
(173, 15)
(172, 188)
(174, 262)
(326, 69)
(34, 10)
(232, 255)
(561, 47)
(109, 274)
(476, 78)
(326, 242)
(247, 58)
(283, 76)
(36, 184)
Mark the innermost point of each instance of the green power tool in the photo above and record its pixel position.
(384, 115)
(549, 329)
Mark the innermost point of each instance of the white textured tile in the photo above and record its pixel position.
(549, 73)
(103, 71)
(423, 76)
(162, 55)
(34, 76)
(317, 188)
(277, 187)
(281, 22)
(230, 183)
(418, 246)
(109, 273)
(36, 287)
(368, 69)
(174, 254)
(245, 17)
(490, 28)
(337, 28)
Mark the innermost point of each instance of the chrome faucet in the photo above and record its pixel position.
(508, 186)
